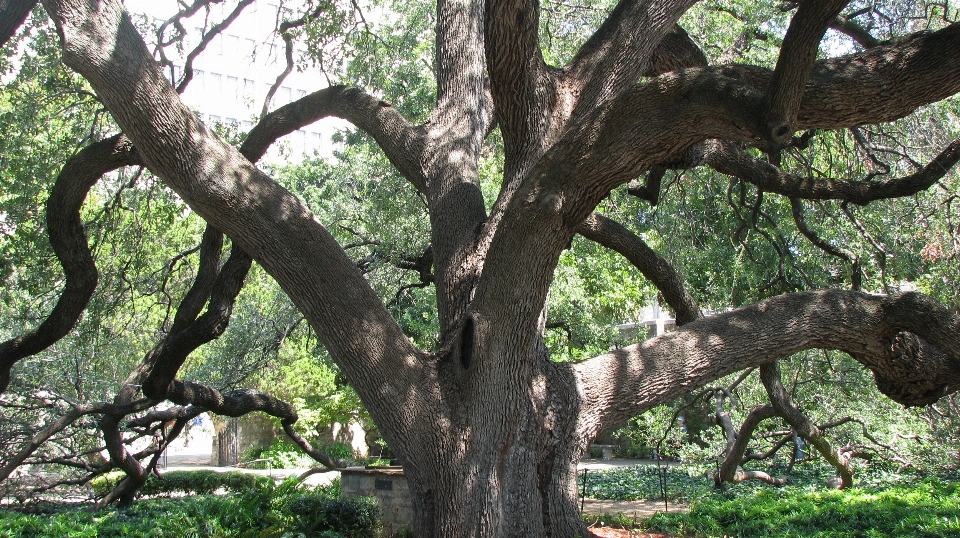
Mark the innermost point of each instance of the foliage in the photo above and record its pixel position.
(261, 512)
(358, 518)
(281, 454)
(642, 482)
(929, 508)
(200, 482)
(688, 482)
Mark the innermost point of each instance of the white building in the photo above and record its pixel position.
(236, 70)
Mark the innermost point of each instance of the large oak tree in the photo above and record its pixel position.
(488, 427)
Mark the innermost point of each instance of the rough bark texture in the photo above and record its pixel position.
(13, 13)
(489, 429)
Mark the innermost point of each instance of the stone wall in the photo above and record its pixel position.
(386, 484)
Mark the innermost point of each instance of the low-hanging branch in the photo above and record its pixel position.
(65, 421)
(240, 402)
(737, 443)
(784, 406)
(794, 64)
(908, 340)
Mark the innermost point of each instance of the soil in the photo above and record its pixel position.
(610, 532)
(634, 509)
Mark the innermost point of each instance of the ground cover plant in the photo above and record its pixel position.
(883, 504)
(284, 510)
(928, 508)
(694, 482)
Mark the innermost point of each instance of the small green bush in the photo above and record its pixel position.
(313, 515)
(201, 482)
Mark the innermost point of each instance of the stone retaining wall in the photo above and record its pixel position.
(386, 484)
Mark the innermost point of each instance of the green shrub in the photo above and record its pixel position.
(282, 510)
(200, 482)
(283, 454)
(339, 451)
(313, 515)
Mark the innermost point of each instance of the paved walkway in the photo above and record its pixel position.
(635, 509)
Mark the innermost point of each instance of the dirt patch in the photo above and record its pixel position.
(608, 532)
(632, 509)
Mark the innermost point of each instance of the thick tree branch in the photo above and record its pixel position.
(620, 51)
(797, 56)
(263, 218)
(455, 133)
(909, 341)
(190, 307)
(657, 270)
(675, 51)
(656, 120)
(727, 158)
(70, 246)
(884, 83)
(515, 66)
(163, 363)
(401, 142)
(13, 13)
(853, 30)
(241, 402)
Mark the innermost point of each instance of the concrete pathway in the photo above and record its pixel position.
(635, 509)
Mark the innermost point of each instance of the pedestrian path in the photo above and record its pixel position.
(635, 509)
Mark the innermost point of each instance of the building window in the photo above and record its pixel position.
(233, 86)
(233, 45)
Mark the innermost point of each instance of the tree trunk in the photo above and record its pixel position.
(505, 465)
